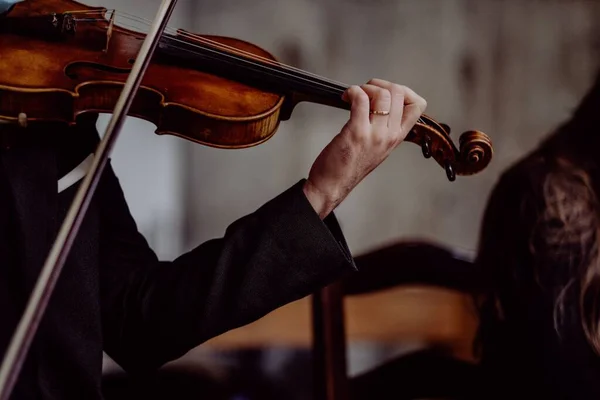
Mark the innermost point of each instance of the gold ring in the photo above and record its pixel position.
(380, 112)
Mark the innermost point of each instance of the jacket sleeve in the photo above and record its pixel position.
(155, 311)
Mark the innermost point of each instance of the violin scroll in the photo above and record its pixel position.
(475, 152)
(473, 155)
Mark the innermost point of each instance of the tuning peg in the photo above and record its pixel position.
(450, 172)
(426, 147)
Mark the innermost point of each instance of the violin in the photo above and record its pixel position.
(60, 59)
(216, 91)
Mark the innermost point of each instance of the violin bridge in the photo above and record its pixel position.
(109, 30)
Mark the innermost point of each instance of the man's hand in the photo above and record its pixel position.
(364, 143)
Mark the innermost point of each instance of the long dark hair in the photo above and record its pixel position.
(562, 209)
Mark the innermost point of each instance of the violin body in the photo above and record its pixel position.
(60, 59)
(63, 78)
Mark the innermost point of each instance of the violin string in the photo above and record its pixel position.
(333, 87)
(257, 57)
(222, 46)
(190, 35)
(302, 75)
(185, 49)
(336, 90)
(273, 66)
(252, 66)
(325, 87)
(326, 84)
(251, 55)
(219, 56)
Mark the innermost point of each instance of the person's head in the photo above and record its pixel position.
(565, 236)
(572, 215)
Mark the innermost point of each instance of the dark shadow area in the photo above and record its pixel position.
(426, 374)
(258, 374)
(244, 375)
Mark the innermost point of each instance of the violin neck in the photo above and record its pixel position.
(269, 75)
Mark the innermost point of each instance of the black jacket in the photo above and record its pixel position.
(115, 295)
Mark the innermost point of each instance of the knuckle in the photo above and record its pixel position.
(361, 141)
(400, 89)
(357, 132)
(354, 89)
(392, 140)
(384, 94)
(357, 91)
(362, 95)
(378, 140)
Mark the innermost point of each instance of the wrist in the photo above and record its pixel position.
(321, 203)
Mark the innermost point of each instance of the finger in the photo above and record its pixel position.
(380, 102)
(359, 110)
(414, 107)
(396, 104)
(413, 97)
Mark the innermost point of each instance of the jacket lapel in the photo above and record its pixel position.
(32, 174)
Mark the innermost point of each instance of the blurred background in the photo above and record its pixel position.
(512, 69)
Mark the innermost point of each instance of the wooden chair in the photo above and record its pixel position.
(405, 263)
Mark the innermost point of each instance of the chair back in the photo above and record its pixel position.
(403, 263)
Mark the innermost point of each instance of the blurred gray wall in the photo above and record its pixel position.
(513, 69)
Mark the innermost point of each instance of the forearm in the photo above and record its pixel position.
(320, 202)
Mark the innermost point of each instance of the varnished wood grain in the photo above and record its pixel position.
(38, 76)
